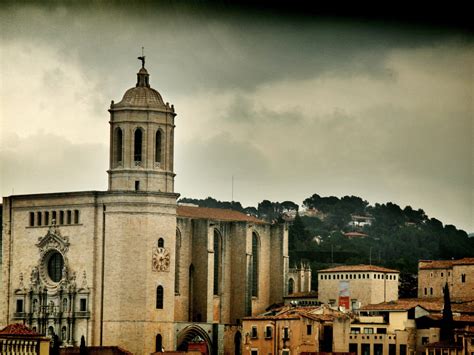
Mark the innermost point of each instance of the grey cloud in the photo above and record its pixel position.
(45, 162)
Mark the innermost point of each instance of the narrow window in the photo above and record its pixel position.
(255, 263)
(442, 274)
(254, 333)
(76, 216)
(431, 290)
(309, 329)
(32, 219)
(426, 291)
(177, 263)
(118, 145)
(463, 278)
(38, 218)
(46, 218)
(137, 152)
(217, 261)
(158, 147)
(159, 297)
(268, 332)
(69, 216)
(82, 305)
(61, 217)
(286, 333)
(161, 243)
(19, 306)
(137, 185)
(53, 217)
(159, 344)
(291, 286)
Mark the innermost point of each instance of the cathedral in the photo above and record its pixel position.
(130, 266)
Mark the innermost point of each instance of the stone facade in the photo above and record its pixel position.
(434, 274)
(128, 266)
(354, 286)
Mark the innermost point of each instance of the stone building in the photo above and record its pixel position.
(128, 266)
(434, 274)
(353, 286)
(299, 279)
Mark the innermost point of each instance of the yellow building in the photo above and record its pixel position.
(294, 330)
(353, 286)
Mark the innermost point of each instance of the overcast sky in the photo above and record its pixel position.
(290, 105)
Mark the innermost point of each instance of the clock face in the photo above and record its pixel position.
(161, 259)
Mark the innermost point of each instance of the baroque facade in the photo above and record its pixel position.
(129, 266)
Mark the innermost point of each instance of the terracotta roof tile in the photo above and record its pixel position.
(405, 304)
(355, 234)
(444, 264)
(344, 268)
(17, 329)
(215, 214)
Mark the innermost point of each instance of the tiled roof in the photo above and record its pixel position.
(17, 329)
(345, 268)
(355, 234)
(430, 304)
(444, 264)
(464, 261)
(215, 214)
(404, 305)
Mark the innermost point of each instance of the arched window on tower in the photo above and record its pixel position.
(159, 297)
(177, 263)
(255, 263)
(291, 286)
(138, 143)
(158, 147)
(217, 262)
(118, 146)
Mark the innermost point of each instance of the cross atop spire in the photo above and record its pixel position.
(142, 58)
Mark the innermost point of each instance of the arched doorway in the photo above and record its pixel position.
(194, 337)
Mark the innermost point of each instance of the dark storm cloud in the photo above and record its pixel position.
(196, 48)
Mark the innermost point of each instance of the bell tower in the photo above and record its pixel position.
(141, 139)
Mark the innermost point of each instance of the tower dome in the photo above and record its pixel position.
(142, 95)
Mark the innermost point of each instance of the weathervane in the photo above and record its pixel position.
(142, 58)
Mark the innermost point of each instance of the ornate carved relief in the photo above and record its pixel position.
(160, 259)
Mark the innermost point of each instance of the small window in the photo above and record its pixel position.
(61, 217)
(19, 306)
(76, 216)
(426, 291)
(159, 297)
(431, 290)
(381, 330)
(53, 216)
(46, 218)
(268, 332)
(38, 218)
(309, 329)
(82, 305)
(137, 185)
(368, 330)
(32, 219)
(285, 352)
(254, 333)
(425, 340)
(253, 352)
(161, 243)
(355, 330)
(69, 217)
(463, 278)
(442, 274)
(286, 333)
